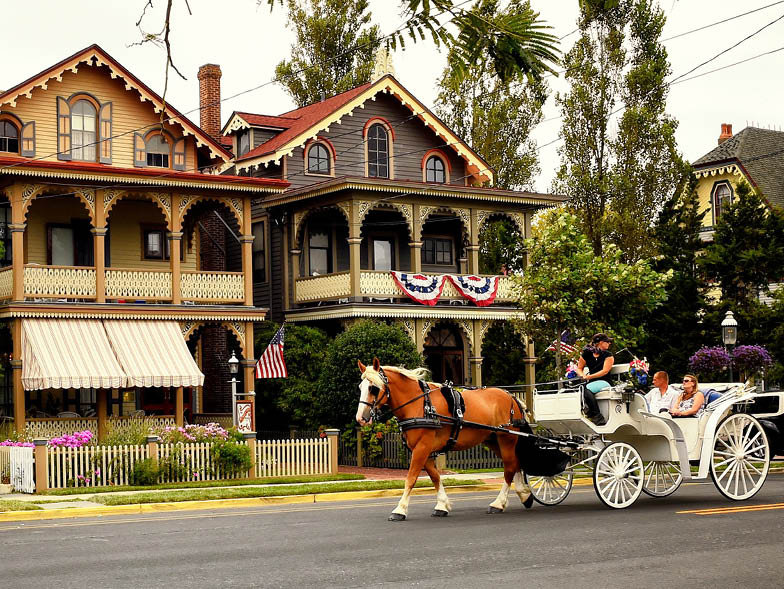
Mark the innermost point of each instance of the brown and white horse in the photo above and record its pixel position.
(398, 389)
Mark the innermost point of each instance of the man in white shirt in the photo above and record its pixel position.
(662, 395)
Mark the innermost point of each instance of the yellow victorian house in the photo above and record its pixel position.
(126, 278)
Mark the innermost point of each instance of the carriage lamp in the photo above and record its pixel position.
(729, 334)
(234, 366)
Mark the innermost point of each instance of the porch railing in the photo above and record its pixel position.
(382, 285)
(329, 286)
(138, 284)
(6, 282)
(50, 427)
(213, 287)
(76, 282)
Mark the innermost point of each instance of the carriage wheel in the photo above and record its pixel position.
(661, 478)
(740, 457)
(550, 490)
(618, 476)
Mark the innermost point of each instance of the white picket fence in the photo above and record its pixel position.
(92, 466)
(22, 468)
(5, 464)
(190, 462)
(293, 457)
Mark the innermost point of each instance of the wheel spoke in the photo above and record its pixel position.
(751, 441)
(754, 449)
(723, 462)
(725, 473)
(751, 465)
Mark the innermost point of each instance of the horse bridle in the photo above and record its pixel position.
(374, 392)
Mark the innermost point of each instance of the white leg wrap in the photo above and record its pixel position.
(523, 491)
(402, 505)
(442, 501)
(502, 499)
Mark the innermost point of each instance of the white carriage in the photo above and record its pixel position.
(638, 451)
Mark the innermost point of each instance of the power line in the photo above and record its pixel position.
(720, 22)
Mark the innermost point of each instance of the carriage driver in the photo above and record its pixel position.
(594, 364)
(661, 397)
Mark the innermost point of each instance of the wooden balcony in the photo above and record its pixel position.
(379, 285)
(123, 284)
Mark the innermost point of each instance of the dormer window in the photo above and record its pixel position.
(9, 137)
(722, 197)
(83, 131)
(158, 152)
(318, 159)
(243, 143)
(435, 170)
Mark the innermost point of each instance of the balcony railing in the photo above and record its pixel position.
(121, 284)
(380, 285)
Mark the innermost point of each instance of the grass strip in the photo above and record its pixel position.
(206, 494)
(12, 505)
(476, 470)
(208, 484)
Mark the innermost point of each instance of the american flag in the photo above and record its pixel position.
(271, 364)
(565, 345)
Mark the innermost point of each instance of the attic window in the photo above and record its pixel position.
(378, 152)
(318, 159)
(243, 143)
(722, 197)
(83, 127)
(435, 170)
(9, 137)
(158, 152)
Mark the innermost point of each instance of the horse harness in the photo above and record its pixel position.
(431, 418)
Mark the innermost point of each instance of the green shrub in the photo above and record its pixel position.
(131, 432)
(231, 458)
(144, 473)
(175, 466)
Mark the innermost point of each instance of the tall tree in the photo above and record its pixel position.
(334, 50)
(495, 116)
(618, 180)
(674, 334)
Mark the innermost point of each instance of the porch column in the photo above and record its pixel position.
(473, 244)
(175, 253)
(419, 337)
(99, 241)
(416, 242)
(16, 367)
(247, 267)
(295, 256)
(250, 371)
(17, 229)
(178, 407)
(475, 361)
(354, 242)
(102, 394)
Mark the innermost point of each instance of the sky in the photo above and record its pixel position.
(247, 41)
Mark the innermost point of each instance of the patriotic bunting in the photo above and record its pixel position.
(480, 290)
(419, 287)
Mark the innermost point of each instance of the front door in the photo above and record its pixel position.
(444, 354)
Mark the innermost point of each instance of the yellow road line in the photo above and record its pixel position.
(738, 509)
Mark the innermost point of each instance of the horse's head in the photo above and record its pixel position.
(373, 391)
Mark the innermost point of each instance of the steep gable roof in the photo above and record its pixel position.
(315, 118)
(243, 120)
(94, 54)
(760, 153)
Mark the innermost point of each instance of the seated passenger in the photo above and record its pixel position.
(594, 364)
(662, 396)
(690, 402)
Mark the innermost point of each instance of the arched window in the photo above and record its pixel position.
(83, 119)
(378, 151)
(435, 171)
(722, 196)
(158, 151)
(318, 159)
(9, 137)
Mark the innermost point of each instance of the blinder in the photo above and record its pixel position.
(374, 392)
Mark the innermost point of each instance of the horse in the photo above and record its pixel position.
(400, 389)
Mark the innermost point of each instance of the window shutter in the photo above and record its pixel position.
(139, 151)
(105, 133)
(63, 129)
(179, 154)
(28, 139)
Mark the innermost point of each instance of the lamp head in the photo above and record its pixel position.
(729, 329)
(234, 364)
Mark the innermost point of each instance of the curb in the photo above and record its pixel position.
(74, 512)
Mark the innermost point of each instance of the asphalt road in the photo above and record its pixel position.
(580, 543)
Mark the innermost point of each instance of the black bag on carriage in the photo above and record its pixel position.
(537, 458)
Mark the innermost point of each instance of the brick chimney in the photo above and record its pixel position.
(209, 99)
(726, 132)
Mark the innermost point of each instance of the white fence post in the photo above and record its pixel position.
(22, 467)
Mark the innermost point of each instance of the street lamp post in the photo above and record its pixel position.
(729, 334)
(234, 366)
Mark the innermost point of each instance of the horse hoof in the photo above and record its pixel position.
(396, 517)
(494, 510)
(528, 503)
(439, 513)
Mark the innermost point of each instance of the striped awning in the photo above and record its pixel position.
(68, 354)
(153, 353)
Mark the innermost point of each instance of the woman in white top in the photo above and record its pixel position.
(690, 401)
